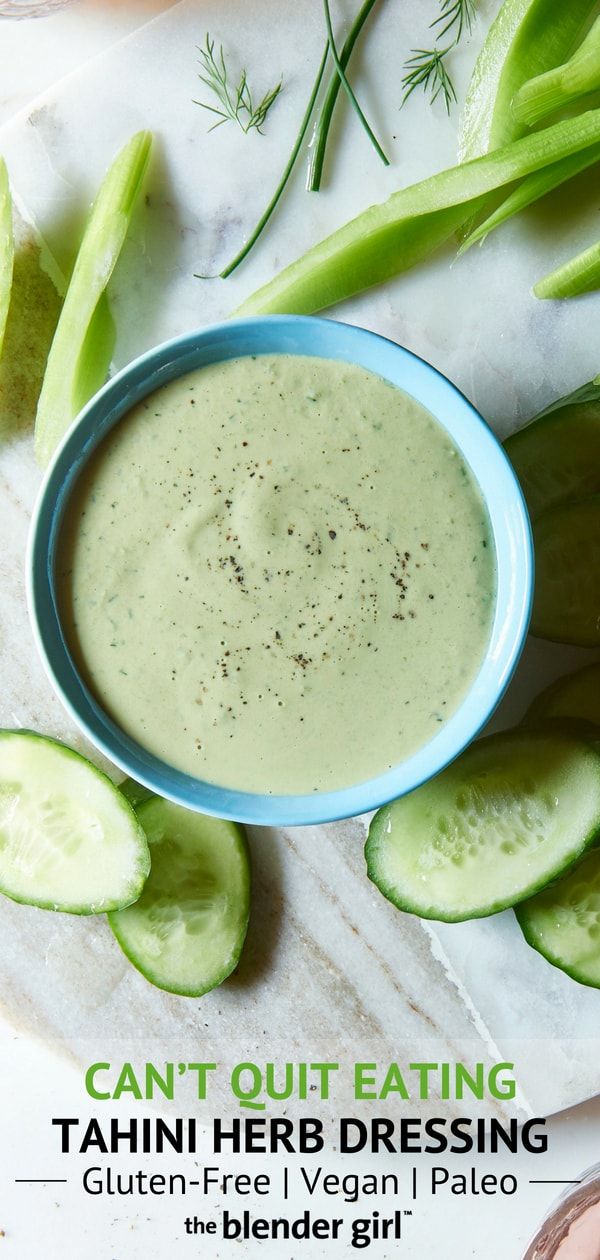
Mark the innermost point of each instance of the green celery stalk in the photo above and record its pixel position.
(579, 275)
(7, 248)
(388, 239)
(555, 89)
(531, 189)
(527, 38)
(84, 339)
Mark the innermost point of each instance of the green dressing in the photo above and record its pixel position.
(277, 574)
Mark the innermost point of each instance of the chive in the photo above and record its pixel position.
(264, 219)
(555, 89)
(7, 248)
(579, 275)
(83, 342)
(317, 158)
(531, 189)
(347, 86)
(526, 38)
(387, 239)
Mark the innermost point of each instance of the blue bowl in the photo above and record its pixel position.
(330, 340)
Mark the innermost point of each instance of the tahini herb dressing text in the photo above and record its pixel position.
(277, 574)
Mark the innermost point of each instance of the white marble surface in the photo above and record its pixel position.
(328, 960)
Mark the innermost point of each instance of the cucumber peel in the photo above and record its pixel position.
(587, 393)
(186, 932)
(574, 696)
(566, 606)
(557, 455)
(68, 839)
(7, 248)
(563, 922)
(83, 343)
(515, 811)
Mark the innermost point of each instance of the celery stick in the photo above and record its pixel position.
(555, 89)
(7, 249)
(82, 347)
(527, 38)
(388, 239)
(531, 189)
(579, 275)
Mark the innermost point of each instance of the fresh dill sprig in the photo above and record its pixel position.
(457, 16)
(235, 104)
(426, 68)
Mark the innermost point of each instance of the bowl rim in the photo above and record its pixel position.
(501, 492)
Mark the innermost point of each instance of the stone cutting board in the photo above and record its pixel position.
(330, 970)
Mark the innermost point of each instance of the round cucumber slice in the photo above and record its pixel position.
(68, 839)
(575, 696)
(557, 456)
(512, 813)
(566, 606)
(186, 932)
(563, 922)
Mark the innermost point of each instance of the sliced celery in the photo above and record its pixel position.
(7, 248)
(82, 347)
(555, 89)
(388, 239)
(531, 189)
(579, 275)
(527, 38)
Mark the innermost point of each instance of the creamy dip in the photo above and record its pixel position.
(277, 574)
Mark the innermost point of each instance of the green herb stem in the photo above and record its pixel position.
(266, 215)
(426, 68)
(456, 16)
(319, 144)
(348, 88)
(233, 104)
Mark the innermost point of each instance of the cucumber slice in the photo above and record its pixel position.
(513, 812)
(68, 838)
(186, 932)
(576, 696)
(563, 922)
(557, 456)
(566, 606)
